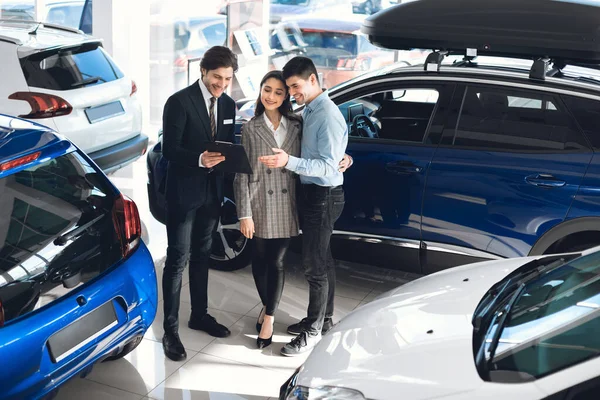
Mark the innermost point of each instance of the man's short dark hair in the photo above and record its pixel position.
(300, 66)
(219, 57)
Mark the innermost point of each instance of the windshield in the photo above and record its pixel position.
(548, 323)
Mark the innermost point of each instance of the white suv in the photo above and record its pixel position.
(62, 78)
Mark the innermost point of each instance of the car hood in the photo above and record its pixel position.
(414, 342)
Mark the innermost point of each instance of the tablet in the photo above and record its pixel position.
(236, 159)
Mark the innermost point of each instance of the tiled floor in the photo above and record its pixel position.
(218, 369)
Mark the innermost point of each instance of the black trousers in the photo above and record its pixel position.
(268, 272)
(322, 206)
(189, 237)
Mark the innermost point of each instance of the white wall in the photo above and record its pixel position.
(125, 28)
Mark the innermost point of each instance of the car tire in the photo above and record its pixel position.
(230, 249)
(128, 348)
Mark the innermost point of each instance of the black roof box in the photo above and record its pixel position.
(567, 30)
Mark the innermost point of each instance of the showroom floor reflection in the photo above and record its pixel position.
(218, 369)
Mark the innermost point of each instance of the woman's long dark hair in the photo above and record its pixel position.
(285, 108)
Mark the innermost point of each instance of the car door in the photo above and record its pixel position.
(506, 171)
(385, 184)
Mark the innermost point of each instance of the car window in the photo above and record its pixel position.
(587, 113)
(513, 120)
(54, 217)
(399, 114)
(66, 69)
(67, 15)
(215, 34)
(330, 40)
(553, 322)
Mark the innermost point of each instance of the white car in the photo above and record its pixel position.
(523, 328)
(62, 78)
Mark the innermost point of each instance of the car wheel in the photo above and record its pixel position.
(230, 249)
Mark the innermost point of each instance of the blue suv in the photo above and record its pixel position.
(473, 162)
(77, 284)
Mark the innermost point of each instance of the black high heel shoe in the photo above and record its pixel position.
(258, 324)
(262, 343)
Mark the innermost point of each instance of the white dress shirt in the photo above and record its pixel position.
(207, 95)
(281, 132)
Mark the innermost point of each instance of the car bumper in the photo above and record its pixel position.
(122, 154)
(132, 288)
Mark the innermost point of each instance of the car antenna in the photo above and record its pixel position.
(34, 32)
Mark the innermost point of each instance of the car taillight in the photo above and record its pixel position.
(43, 105)
(126, 220)
(133, 88)
(19, 161)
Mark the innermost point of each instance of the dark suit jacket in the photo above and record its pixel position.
(186, 130)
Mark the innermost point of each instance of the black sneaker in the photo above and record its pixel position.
(301, 344)
(302, 326)
(297, 328)
(327, 325)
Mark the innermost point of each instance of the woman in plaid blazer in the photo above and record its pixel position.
(266, 200)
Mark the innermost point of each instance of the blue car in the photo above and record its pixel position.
(77, 284)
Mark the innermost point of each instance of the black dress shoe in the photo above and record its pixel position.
(209, 325)
(262, 343)
(173, 347)
(258, 323)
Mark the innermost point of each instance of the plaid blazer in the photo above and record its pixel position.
(268, 195)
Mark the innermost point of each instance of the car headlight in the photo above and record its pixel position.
(323, 393)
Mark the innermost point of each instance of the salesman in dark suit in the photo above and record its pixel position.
(192, 117)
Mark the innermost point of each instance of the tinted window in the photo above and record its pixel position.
(39, 205)
(587, 113)
(342, 42)
(499, 119)
(67, 15)
(399, 114)
(553, 322)
(67, 69)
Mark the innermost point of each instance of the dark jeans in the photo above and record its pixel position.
(322, 206)
(267, 269)
(189, 235)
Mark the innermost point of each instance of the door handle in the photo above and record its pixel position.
(544, 180)
(402, 167)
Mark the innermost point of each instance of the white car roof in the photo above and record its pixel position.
(47, 35)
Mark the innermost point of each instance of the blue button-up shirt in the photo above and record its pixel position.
(324, 141)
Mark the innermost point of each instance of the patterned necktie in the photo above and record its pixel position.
(213, 124)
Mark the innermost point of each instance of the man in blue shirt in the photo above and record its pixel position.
(324, 141)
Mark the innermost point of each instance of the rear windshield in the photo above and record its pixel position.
(70, 68)
(56, 232)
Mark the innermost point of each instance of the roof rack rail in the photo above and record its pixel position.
(44, 24)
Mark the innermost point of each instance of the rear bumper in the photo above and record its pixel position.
(122, 154)
(131, 286)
